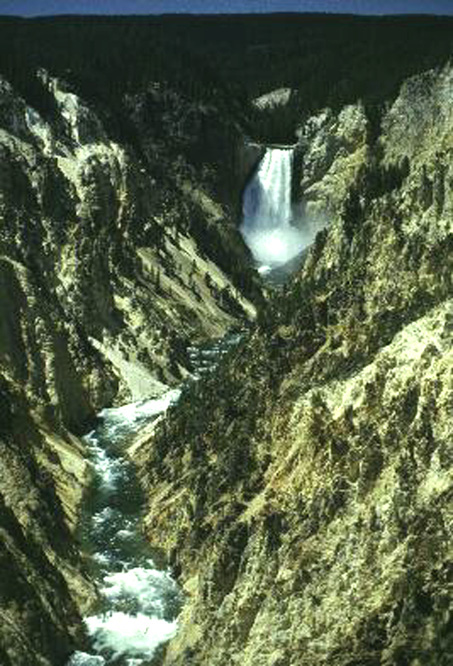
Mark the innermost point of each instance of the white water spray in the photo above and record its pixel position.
(267, 211)
(139, 602)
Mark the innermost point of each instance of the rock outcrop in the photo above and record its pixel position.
(304, 491)
(114, 256)
(273, 100)
(89, 217)
(44, 586)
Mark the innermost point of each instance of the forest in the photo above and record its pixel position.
(226, 60)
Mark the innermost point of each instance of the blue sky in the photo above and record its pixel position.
(46, 7)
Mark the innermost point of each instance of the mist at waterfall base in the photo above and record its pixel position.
(271, 225)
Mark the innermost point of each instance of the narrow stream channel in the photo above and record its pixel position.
(140, 601)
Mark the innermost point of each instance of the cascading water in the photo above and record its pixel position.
(267, 211)
(139, 602)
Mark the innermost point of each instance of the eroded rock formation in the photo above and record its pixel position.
(111, 262)
(304, 492)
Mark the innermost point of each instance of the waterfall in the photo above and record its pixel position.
(267, 211)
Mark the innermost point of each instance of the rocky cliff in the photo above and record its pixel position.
(115, 255)
(93, 221)
(44, 585)
(303, 492)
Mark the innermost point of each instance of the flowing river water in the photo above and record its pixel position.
(140, 601)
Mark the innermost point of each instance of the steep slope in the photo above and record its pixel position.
(88, 218)
(44, 586)
(121, 163)
(303, 492)
(113, 258)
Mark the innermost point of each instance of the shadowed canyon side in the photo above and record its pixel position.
(106, 221)
(304, 491)
(113, 260)
(300, 485)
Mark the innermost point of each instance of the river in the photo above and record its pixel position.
(139, 601)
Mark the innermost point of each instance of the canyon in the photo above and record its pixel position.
(299, 490)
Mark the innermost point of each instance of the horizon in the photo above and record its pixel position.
(43, 8)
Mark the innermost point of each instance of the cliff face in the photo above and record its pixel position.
(44, 586)
(91, 220)
(114, 254)
(304, 490)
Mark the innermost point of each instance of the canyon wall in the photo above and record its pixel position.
(303, 492)
(114, 257)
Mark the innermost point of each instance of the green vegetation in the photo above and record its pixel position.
(226, 61)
